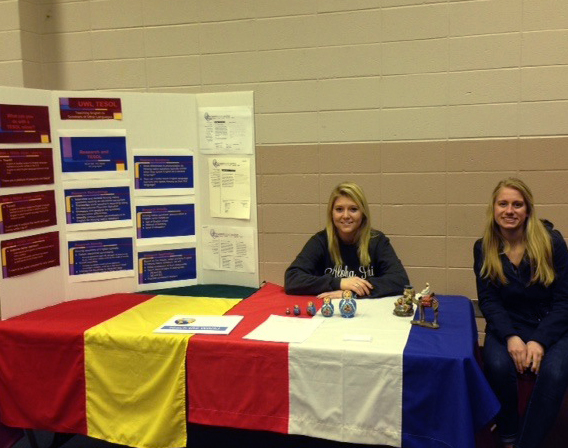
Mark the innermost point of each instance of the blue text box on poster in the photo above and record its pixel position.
(157, 221)
(153, 172)
(96, 256)
(84, 205)
(88, 154)
(167, 265)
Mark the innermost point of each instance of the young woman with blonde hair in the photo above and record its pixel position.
(521, 268)
(348, 254)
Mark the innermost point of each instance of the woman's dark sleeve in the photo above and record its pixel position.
(490, 304)
(555, 323)
(390, 276)
(305, 276)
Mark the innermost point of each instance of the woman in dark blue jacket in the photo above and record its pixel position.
(521, 268)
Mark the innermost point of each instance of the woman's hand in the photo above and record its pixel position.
(359, 286)
(518, 351)
(535, 353)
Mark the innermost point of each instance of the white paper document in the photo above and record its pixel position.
(228, 248)
(229, 188)
(191, 324)
(284, 329)
(226, 130)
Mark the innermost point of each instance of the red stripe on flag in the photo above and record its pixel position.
(243, 383)
(42, 373)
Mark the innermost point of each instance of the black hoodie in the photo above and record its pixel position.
(314, 272)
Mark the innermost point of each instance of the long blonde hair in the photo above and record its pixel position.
(363, 234)
(538, 244)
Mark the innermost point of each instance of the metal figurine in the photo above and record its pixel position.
(426, 299)
(311, 309)
(287, 310)
(297, 310)
(327, 309)
(404, 306)
(348, 304)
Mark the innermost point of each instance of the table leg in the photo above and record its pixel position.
(31, 438)
(59, 439)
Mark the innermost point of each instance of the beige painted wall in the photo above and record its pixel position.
(429, 197)
(11, 69)
(427, 103)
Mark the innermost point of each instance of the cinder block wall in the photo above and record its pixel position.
(430, 197)
(11, 69)
(426, 103)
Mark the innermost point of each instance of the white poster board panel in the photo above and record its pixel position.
(215, 100)
(147, 121)
(34, 290)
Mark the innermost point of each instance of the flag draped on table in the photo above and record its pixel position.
(42, 363)
(325, 387)
(94, 367)
(373, 379)
(242, 383)
(346, 380)
(446, 398)
(135, 378)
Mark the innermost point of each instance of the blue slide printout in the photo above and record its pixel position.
(168, 220)
(89, 154)
(167, 265)
(98, 256)
(85, 205)
(151, 172)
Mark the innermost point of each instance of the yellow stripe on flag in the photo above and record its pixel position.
(135, 379)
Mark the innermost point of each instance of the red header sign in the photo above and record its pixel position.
(90, 108)
(24, 124)
(29, 254)
(26, 166)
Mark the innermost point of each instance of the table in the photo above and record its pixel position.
(238, 383)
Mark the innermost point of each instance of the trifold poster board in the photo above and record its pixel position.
(107, 192)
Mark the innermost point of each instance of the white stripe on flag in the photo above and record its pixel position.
(345, 388)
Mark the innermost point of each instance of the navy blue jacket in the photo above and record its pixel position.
(313, 270)
(531, 311)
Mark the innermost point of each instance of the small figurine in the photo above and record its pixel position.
(297, 310)
(348, 305)
(327, 309)
(287, 310)
(425, 291)
(311, 309)
(403, 306)
(426, 299)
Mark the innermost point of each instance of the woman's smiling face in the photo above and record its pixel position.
(347, 218)
(510, 210)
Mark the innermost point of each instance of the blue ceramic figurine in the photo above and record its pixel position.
(311, 309)
(348, 304)
(327, 309)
